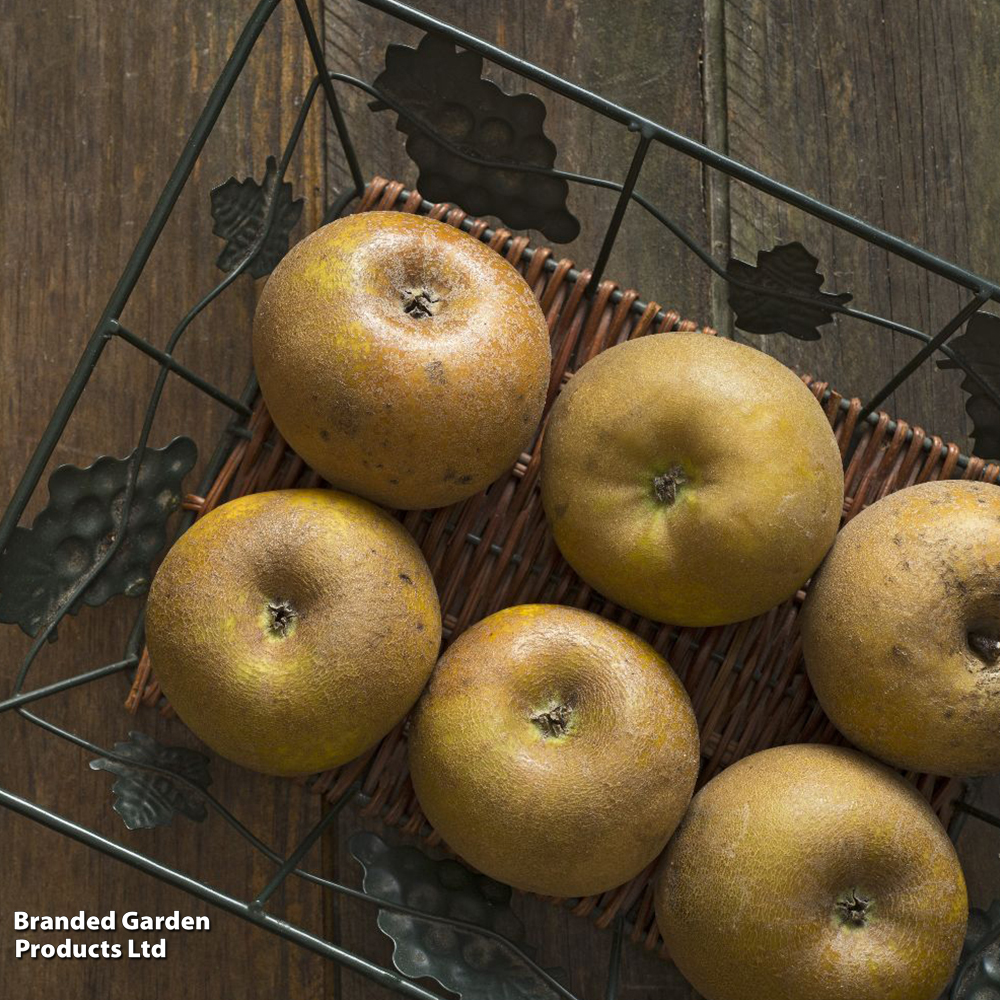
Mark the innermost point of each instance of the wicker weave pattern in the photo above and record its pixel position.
(494, 550)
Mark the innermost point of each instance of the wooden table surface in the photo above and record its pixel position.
(887, 110)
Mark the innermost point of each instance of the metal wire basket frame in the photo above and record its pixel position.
(109, 327)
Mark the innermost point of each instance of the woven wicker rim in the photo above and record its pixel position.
(746, 681)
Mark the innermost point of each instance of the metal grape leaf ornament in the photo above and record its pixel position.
(475, 966)
(240, 210)
(781, 294)
(443, 88)
(979, 347)
(978, 976)
(146, 798)
(42, 565)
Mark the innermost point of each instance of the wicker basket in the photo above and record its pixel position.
(746, 681)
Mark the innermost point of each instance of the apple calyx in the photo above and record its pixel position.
(554, 722)
(666, 485)
(282, 615)
(986, 646)
(853, 908)
(420, 303)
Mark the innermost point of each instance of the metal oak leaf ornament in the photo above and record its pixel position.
(444, 89)
(474, 966)
(42, 565)
(240, 210)
(145, 799)
(790, 269)
(979, 347)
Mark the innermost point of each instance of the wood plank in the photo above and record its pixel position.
(979, 849)
(96, 100)
(570, 944)
(805, 96)
(885, 111)
(645, 55)
(73, 238)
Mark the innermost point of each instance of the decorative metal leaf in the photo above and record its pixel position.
(43, 564)
(980, 347)
(472, 965)
(980, 979)
(788, 268)
(444, 88)
(240, 209)
(144, 798)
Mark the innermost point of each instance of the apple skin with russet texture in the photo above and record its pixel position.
(291, 630)
(403, 359)
(554, 750)
(901, 629)
(691, 479)
(810, 872)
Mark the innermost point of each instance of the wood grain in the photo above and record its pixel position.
(803, 92)
(647, 57)
(564, 942)
(884, 110)
(96, 101)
